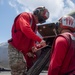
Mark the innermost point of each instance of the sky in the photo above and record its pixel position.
(9, 9)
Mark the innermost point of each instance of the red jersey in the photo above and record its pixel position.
(23, 32)
(63, 57)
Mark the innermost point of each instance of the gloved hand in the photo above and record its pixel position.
(30, 54)
(34, 49)
(43, 43)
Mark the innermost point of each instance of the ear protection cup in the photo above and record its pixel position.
(36, 12)
(42, 14)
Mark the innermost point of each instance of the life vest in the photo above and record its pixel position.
(68, 64)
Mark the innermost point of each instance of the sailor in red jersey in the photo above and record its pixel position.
(63, 52)
(24, 38)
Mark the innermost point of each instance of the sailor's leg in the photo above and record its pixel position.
(16, 61)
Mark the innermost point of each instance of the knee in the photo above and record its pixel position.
(18, 65)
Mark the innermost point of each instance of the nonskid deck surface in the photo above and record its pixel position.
(8, 73)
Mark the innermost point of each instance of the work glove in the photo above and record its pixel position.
(38, 46)
(43, 43)
(34, 49)
(30, 54)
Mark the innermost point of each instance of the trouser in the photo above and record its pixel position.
(16, 61)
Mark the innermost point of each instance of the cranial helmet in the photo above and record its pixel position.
(67, 22)
(42, 14)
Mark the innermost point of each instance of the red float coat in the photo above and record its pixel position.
(63, 57)
(23, 32)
